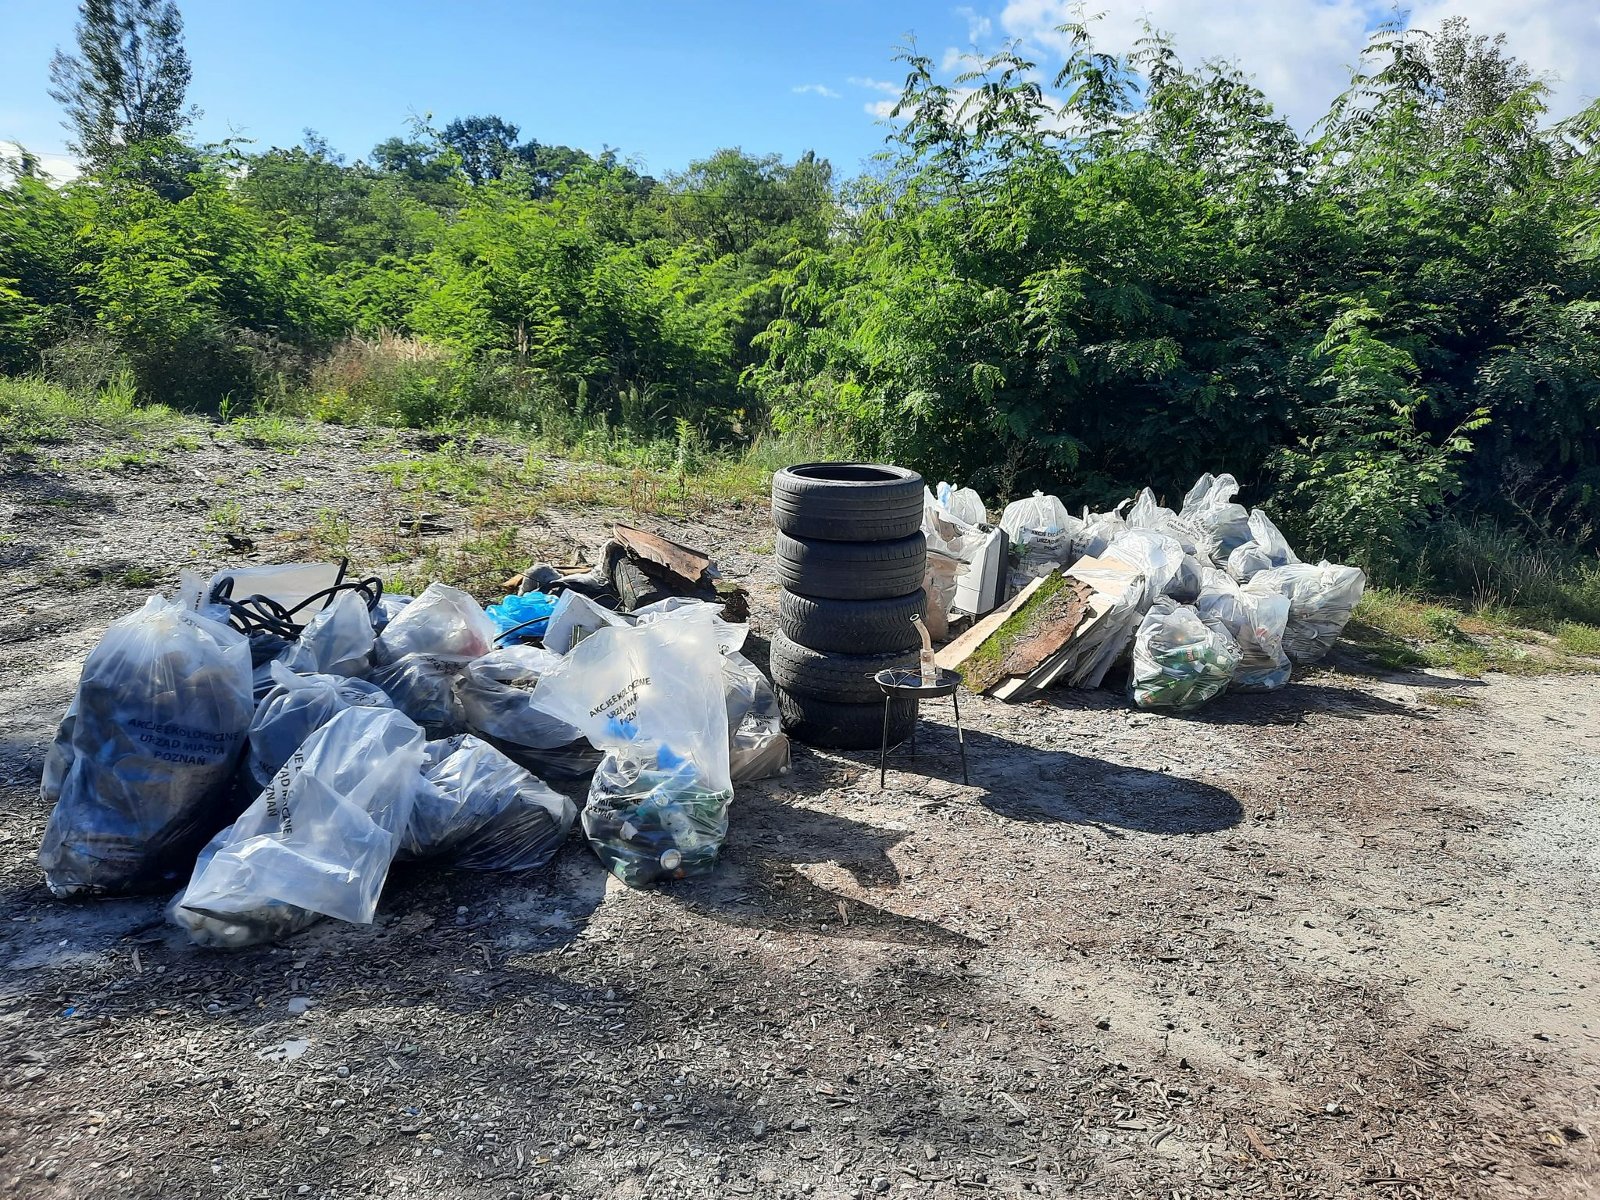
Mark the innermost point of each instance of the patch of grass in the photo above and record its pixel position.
(139, 577)
(292, 485)
(1451, 700)
(270, 431)
(120, 460)
(1400, 631)
(226, 517)
(34, 412)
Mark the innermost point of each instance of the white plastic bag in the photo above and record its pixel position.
(1209, 508)
(964, 504)
(652, 698)
(140, 773)
(337, 641)
(1321, 600)
(480, 811)
(1044, 533)
(1266, 549)
(758, 747)
(296, 706)
(1147, 514)
(1096, 532)
(1256, 621)
(574, 618)
(442, 621)
(288, 584)
(317, 843)
(1157, 556)
(1180, 660)
(730, 634)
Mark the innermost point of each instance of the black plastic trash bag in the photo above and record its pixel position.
(480, 811)
(141, 770)
(295, 708)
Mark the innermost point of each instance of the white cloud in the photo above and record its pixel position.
(1301, 52)
(815, 89)
(979, 27)
(60, 167)
(882, 109)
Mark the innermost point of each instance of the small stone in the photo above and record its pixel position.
(798, 1125)
(766, 1175)
(638, 1125)
(303, 1190)
(462, 911)
(298, 1005)
(342, 1072)
(638, 1106)
(880, 1183)
(322, 1131)
(759, 1129)
(1103, 1023)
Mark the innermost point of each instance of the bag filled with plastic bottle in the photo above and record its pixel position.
(1256, 621)
(652, 697)
(1180, 660)
(480, 811)
(318, 842)
(141, 770)
(442, 621)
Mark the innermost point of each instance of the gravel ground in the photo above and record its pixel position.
(1336, 941)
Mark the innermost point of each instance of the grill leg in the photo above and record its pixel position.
(883, 752)
(961, 739)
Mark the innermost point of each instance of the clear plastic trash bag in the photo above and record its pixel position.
(963, 503)
(1043, 534)
(1157, 556)
(389, 607)
(337, 641)
(1256, 621)
(1322, 598)
(317, 843)
(1180, 660)
(1096, 532)
(443, 621)
(141, 770)
(730, 634)
(496, 697)
(1209, 509)
(296, 706)
(652, 697)
(574, 618)
(423, 686)
(1146, 513)
(480, 811)
(1265, 549)
(758, 747)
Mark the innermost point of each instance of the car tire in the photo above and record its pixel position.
(827, 570)
(835, 726)
(853, 626)
(847, 502)
(843, 678)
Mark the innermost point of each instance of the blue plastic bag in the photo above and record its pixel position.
(532, 612)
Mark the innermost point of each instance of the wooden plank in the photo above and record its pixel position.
(691, 566)
(952, 656)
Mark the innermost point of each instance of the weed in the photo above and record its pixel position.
(1400, 631)
(292, 485)
(1451, 700)
(120, 460)
(270, 431)
(139, 577)
(226, 517)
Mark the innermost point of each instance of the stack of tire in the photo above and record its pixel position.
(851, 557)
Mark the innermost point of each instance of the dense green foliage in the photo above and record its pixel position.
(1135, 276)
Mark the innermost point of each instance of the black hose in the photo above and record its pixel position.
(262, 614)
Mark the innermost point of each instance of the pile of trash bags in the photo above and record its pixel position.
(1216, 599)
(271, 772)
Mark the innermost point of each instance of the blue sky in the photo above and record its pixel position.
(670, 80)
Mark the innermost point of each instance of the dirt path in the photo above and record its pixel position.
(1337, 941)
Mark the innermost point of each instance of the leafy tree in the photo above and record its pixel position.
(127, 82)
(486, 146)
